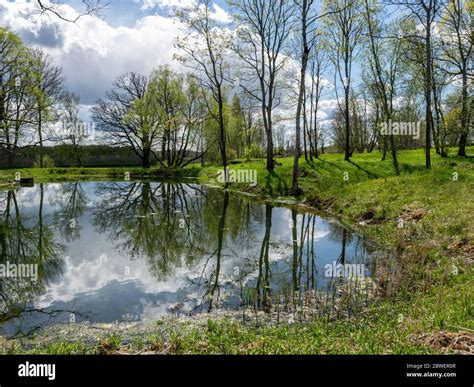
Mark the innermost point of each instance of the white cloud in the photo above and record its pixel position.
(92, 52)
(221, 15)
(218, 13)
(150, 4)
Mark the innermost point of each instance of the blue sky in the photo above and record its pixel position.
(127, 12)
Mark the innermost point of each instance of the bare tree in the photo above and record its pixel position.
(261, 44)
(205, 46)
(440, 81)
(385, 70)
(307, 18)
(344, 28)
(318, 66)
(128, 116)
(90, 7)
(72, 126)
(457, 40)
(425, 12)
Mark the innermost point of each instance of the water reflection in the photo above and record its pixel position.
(121, 251)
(25, 239)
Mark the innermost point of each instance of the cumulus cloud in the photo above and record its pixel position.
(92, 52)
(221, 15)
(218, 13)
(151, 4)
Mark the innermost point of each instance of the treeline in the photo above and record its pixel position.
(257, 84)
(65, 156)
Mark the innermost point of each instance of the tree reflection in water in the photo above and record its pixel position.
(25, 239)
(233, 252)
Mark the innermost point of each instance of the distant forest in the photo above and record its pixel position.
(64, 156)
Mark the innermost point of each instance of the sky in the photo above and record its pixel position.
(133, 35)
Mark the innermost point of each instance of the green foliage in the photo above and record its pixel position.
(231, 154)
(48, 162)
(235, 126)
(253, 151)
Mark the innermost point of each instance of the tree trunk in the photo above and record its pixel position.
(462, 145)
(267, 121)
(270, 163)
(146, 158)
(294, 186)
(11, 157)
(464, 118)
(394, 155)
(40, 134)
(222, 139)
(301, 100)
(428, 90)
(347, 151)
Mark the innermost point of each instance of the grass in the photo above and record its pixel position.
(430, 307)
(50, 175)
(389, 328)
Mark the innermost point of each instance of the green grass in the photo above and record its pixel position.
(437, 235)
(392, 327)
(372, 189)
(50, 175)
(229, 337)
(59, 347)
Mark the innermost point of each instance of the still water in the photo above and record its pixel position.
(131, 251)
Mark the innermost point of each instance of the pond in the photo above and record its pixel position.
(132, 251)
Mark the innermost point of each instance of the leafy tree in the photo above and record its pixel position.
(206, 47)
(262, 45)
(129, 116)
(47, 83)
(16, 86)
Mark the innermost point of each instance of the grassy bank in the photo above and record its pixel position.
(371, 195)
(427, 216)
(51, 175)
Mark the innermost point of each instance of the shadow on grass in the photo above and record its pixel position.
(366, 171)
(411, 168)
(281, 186)
(333, 167)
(459, 159)
(324, 165)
